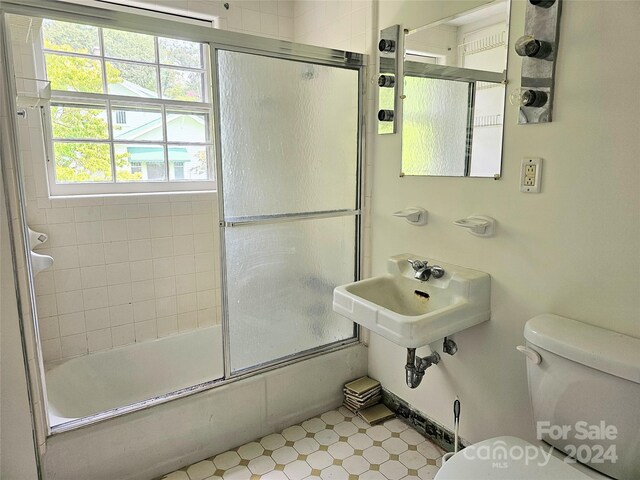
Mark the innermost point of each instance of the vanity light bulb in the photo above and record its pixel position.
(385, 115)
(542, 3)
(533, 98)
(529, 98)
(528, 46)
(386, 81)
(515, 98)
(387, 46)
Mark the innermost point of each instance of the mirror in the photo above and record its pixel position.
(454, 94)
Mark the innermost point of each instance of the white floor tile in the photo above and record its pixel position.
(250, 451)
(333, 446)
(201, 470)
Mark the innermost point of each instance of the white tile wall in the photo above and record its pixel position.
(126, 269)
(342, 24)
(116, 273)
(267, 18)
(116, 281)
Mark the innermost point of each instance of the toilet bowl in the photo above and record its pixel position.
(584, 384)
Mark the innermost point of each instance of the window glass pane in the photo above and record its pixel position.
(181, 85)
(79, 121)
(131, 80)
(180, 53)
(133, 123)
(75, 74)
(185, 126)
(139, 163)
(70, 37)
(82, 162)
(129, 45)
(189, 162)
(104, 138)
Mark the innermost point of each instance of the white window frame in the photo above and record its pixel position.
(106, 99)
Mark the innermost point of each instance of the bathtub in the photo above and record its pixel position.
(102, 381)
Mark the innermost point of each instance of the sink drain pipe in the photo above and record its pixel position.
(416, 366)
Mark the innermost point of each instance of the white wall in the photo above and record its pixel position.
(571, 250)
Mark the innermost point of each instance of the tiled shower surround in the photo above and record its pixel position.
(126, 272)
(333, 446)
(126, 268)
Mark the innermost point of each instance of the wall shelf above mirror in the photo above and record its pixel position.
(453, 94)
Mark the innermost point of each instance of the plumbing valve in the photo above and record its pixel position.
(449, 346)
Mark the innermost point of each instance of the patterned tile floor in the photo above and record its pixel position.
(334, 446)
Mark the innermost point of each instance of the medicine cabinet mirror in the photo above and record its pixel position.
(454, 94)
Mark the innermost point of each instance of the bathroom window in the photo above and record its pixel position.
(130, 113)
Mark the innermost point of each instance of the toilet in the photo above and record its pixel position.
(567, 363)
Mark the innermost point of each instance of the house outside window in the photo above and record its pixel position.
(130, 113)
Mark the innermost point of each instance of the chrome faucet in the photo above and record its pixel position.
(423, 271)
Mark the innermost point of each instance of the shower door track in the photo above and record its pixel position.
(216, 40)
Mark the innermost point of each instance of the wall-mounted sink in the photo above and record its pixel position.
(414, 313)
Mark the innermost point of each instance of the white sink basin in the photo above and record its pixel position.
(413, 313)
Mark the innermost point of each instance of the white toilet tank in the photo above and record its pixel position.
(586, 393)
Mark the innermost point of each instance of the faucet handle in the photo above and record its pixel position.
(437, 271)
(418, 264)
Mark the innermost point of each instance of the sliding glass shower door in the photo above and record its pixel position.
(288, 176)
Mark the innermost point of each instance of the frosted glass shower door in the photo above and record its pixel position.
(289, 181)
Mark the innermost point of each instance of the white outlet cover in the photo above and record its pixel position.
(525, 180)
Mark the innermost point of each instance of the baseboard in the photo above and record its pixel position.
(439, 434)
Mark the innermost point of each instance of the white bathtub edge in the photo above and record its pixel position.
(81, 378)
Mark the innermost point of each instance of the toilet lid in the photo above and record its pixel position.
(507, 458)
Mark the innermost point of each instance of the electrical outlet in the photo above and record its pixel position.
(530, 175)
